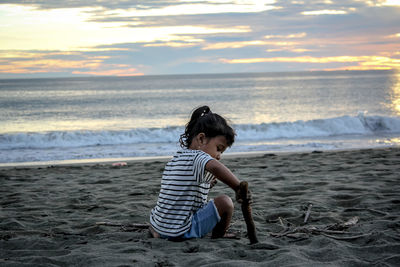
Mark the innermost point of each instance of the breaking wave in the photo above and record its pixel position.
(339, 126)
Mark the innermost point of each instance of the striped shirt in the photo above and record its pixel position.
(184, 189)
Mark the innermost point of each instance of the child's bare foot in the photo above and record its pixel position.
(229, 235)
(153, 233)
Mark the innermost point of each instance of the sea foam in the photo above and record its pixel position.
(339, 126)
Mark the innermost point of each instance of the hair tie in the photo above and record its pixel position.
(205, 113)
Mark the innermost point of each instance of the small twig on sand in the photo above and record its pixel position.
(127, 227)
(345, 237)
(332, 232)
(135, 225)
(307, 213)
(281, 222)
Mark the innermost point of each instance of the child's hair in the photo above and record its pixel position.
(211, 124)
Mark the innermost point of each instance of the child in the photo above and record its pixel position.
(182, 210)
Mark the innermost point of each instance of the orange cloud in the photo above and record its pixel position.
(170, 44)
(112, 72)
(241, 44)
(282, 42)
(224, 45)
(304, 59)
(396, 35)
(289, 36)
(363, 62)
(26, 62)
(294, 50)
(181, 41)
(47, 65)
(356, 67)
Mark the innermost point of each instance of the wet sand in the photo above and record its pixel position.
(48, 214)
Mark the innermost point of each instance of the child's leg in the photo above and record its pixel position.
(225, 208)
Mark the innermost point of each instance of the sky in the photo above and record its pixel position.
(52, 38)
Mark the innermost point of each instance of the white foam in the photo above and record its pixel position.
(325, 134)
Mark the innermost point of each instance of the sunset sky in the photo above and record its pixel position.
(81, 38)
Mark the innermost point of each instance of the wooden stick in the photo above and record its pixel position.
(246, 210)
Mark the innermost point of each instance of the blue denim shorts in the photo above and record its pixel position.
(203, 222)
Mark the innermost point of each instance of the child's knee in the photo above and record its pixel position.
(224, 204)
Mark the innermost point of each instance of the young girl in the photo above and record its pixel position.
(182, 210)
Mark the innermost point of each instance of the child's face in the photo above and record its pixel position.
(214, 146)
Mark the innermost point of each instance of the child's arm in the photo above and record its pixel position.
(222, 173)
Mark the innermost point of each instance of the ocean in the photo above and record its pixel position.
(95, 118)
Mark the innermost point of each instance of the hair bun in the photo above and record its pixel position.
(200, 112)
(206, 111)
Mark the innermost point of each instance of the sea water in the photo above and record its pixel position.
(118, 117)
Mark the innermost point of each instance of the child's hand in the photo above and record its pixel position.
(239, 197)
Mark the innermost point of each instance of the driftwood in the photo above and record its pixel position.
(328, 231)
(344, 225)
(246, 210)
(130, 227)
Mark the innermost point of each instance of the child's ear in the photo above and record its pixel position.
(201, 138)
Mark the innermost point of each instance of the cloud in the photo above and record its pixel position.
(324, 12)
(303, 59)
(183, 42)
(16, 62)
(116, 70)
(289, 36)
(180, 36)
(363, 62)
(196, 8)
(277, 40)
(70, 29)
(55, 4)
(145, 5)
(235, 45)
(379, 3)
(396, 35)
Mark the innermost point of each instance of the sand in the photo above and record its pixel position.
(48, 214)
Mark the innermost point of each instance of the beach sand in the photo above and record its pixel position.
(48, 214)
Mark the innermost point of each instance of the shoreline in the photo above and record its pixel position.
(126, 159)
(228, 155)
